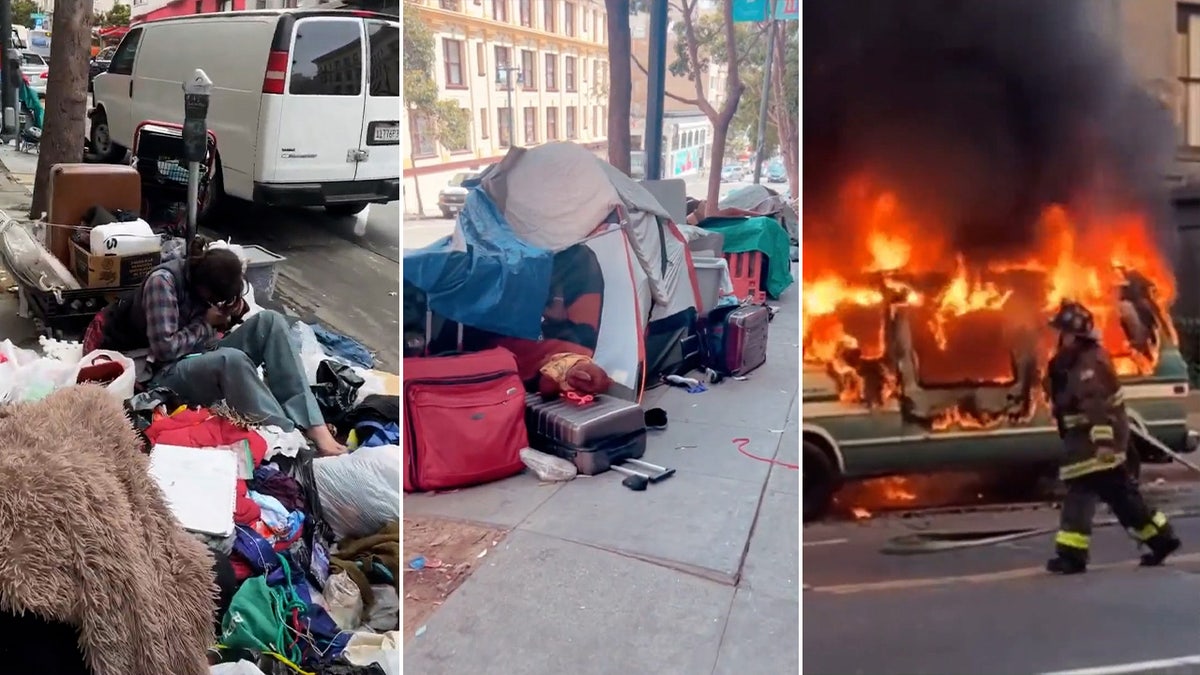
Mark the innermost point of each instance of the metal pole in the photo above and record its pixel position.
(8, 93)
(656, 89)
(766, 96)
(512, 114)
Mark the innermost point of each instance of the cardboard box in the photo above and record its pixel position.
(111, 271)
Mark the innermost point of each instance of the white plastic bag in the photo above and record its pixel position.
(311, 352)
(26, 377)
(382, 648)
(360, 492)
(343, 601)
(242, 667)
(120, 388)
(548, 467)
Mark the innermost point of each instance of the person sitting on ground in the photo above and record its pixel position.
(183, 313)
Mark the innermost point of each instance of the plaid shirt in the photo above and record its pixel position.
(175, 323)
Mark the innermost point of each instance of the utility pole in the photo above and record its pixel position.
(766, 94)
(656, 88)
(8, 96)
(505, 72)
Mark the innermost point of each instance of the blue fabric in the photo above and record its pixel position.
(498, 284)
(328, 641)
(388, 434)
(343, 347)
(255, 549)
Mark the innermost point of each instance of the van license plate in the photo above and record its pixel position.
(384, 133)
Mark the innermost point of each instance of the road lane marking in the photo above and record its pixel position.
(825, 542)
(984, 578)
(1139, 667)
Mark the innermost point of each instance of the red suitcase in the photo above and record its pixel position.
(736, 338)
(464, 420)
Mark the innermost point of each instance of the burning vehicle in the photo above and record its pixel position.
(917, 359)
(967, 167)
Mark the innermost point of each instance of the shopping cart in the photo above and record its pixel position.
(158, 156)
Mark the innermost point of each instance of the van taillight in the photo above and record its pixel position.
(277, 66)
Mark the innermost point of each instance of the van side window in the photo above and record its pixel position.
(327, 59)
(383, 40)
(122, 61)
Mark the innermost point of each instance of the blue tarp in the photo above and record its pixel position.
(499, 284)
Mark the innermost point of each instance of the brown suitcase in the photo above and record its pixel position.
(75, 188)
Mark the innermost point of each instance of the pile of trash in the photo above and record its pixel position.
(307, 548)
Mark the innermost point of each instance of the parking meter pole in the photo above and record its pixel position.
(8, 90)
(766, 96)
(196, 92)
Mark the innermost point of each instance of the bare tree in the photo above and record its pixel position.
(785, 101)
(620, 83)
(719, 44)
(66, 96)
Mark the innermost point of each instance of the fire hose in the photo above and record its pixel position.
(936, 542)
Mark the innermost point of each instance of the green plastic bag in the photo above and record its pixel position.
(257, 619)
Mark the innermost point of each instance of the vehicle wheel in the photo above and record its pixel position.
(103, 146)
(820, 478)
(447, 215)
(347, 209)
(214, 197)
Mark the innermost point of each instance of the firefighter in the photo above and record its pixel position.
(1089, 407)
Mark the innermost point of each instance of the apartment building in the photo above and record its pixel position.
(526, 71)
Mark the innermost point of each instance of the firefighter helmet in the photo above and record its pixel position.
(1074, 319)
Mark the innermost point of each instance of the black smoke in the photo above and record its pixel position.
(979, 112)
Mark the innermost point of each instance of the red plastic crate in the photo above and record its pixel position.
(745, 270)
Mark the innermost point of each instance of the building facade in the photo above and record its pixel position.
(526, 71)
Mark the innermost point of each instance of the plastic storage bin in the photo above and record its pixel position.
(262, 270)
(712, 276)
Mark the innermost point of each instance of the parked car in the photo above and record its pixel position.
(452, 197)
(99, 64)
(776, 173)
(732, 173)
(36, 71)
(296, 124)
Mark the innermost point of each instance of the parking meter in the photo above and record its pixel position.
(196, 92)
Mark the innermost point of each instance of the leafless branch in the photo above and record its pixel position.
(685, 101)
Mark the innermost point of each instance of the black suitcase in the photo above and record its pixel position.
(607, 431)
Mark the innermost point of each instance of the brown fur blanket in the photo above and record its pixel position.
(89, 541)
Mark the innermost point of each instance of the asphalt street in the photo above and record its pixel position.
(992, 609)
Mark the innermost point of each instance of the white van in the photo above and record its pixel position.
(305, 103)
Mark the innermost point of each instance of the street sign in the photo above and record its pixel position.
(757, 10)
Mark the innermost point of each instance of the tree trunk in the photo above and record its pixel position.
(787, 125)
(66, 96)
(720, 136)
(620, 83)
(417, 190)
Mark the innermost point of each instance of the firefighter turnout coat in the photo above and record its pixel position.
(1090, 410)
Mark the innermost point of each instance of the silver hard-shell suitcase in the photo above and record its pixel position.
(594, 436)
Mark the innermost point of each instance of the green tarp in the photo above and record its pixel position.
(759, 234)
(29, 99)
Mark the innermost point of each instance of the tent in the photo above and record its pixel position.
(559, 202)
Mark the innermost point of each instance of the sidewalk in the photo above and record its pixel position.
(16, 187)
(698, 574)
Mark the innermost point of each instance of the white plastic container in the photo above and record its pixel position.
(712, 275)
(123, 239)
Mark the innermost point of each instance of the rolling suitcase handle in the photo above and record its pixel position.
(429, 336)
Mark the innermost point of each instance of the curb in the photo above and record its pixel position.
(1184, 665)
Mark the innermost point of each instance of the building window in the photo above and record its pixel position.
(596, 25)
(530, 125)
(451, 5)
(584, 16)
(504, 126)
(483, 123)
(500, 10)
(595, 120)
(569, 19)
(549, 15)
(452, 54)
(526, 9)
(572, 112)
(1188, 67)
(528, 69)
(569, 73)
(596, 81)
(503, 60)
(260, 4)
(480, 60)
(422, 136)
(552, 72)
(552, 123)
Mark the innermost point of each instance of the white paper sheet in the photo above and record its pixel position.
(200, 485)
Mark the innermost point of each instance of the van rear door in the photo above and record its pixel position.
(321, 115)
(381, 124)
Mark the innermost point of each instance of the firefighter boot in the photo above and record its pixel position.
(1161, 545)
(1068, 561)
